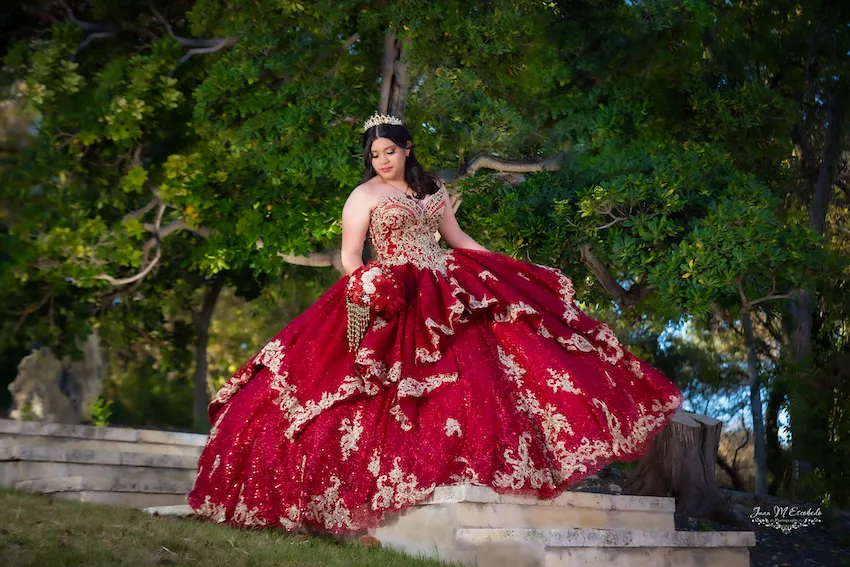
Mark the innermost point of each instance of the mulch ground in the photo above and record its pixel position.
(826, 544)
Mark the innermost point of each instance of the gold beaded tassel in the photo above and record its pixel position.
(358, 323)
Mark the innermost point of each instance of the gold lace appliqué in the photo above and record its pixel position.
(403, 232)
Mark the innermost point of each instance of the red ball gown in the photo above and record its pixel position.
(489, 375)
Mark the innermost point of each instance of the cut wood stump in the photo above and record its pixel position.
(681, 464)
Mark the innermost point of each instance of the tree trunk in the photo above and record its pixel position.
(755, 404)
(681, 464)
(775, 456)
(394, 82)
(802, 305)
(202, 319)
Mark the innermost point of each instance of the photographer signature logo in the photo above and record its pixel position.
(786, 518)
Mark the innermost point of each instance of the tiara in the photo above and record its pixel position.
(381, 119)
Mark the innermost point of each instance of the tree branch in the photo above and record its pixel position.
(173, 227)
(157, 242)
(137, 277)
(140, 212)
(624, 297)
(342, 51)
(94, 30)
(770, 298)
(321, 259)
(616, 220)
(737, 484)
(197, 46)
(87, 26)
(490, 162)
(91, 37)
(159, 233)
(221, 44)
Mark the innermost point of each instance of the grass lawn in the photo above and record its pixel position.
(38, 530)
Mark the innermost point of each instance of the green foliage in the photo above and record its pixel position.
(101, 412)
(672, 119)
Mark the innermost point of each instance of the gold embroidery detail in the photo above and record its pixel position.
(285, 399)
(329, 509)
(299, 415)
(216, 464)
(607, 336)
(409, 387)
(396, 489)
(562, 381)
(523, 469)
(513, 310)
(634, 365)
(244, 516)
(487, 274)
(425, 355)
(292, 519)
(215, 428)
(379, 323)
(403, 232)
(452, 427)
(577, 342)
(484, 302)
(215, 512)
(552, 421)
(375, 463)
(374, 367)
(610, 380)
(512, 369)
(351, 429)
(271, 356)
(566, 292)
(467, 476)
(233, 385)
(400, 417)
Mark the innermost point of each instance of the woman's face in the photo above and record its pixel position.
(388, 159)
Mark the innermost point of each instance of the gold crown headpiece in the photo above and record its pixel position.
(382, 119)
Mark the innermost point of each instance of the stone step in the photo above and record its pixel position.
(99, 445)
(123, 492)
(20, 463)
(613, 548)
(474, 525)
(137, 500)
(483, 507)
(104, 484)
(432, 525)
(88, 437)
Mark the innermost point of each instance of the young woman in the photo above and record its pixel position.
(426, 367)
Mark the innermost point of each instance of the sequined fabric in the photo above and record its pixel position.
(489, 375)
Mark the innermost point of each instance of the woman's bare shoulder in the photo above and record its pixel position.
(363, 196)
(369, 191)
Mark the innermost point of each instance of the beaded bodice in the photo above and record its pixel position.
(402, 231)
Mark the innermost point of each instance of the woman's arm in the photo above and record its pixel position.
(355, 224)
(451, 231)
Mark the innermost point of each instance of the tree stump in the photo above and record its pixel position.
(681, 464)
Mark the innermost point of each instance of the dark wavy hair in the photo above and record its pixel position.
(421, 181)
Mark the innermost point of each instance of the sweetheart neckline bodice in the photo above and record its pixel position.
(404, 199)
